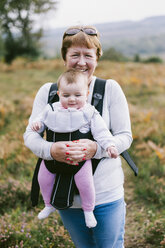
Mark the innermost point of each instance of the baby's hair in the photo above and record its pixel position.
(71, 76)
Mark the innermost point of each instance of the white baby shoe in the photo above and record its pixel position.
(45, 212)
(90, 219)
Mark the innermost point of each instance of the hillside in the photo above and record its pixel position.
(144, 87)
(145, 37)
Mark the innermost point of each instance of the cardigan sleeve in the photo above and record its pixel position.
(117, 118)
(100, 131)
(120, 124)
(39, 146)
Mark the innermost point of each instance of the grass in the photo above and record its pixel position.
(144, 87)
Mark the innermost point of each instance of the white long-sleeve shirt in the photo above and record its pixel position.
(108, 177)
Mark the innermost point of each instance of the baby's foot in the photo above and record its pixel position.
(90, 219)
(45, 212)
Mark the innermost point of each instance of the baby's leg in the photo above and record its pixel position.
(84, 182)
(46, 182)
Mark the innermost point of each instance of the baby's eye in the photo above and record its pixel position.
(66, 95)
(77, 95)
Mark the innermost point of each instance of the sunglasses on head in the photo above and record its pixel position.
(73, 31)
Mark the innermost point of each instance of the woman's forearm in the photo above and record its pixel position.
(100, 152)
(119, 123)
(39, 146)
(33, 140)
(123, 141)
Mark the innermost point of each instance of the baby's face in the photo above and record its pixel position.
(73, 95)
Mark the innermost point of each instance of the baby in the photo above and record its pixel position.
(72, 113)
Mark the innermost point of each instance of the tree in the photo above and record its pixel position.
(16, 22)
(1, 47)
(137, 58)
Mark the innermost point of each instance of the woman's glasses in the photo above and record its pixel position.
(73, 31)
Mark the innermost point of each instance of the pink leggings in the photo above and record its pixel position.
(83, 179)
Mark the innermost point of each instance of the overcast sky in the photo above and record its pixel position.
(73, 12)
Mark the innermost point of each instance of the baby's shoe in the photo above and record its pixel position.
(45, 212)
(90, 219)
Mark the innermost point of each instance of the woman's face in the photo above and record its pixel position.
(83, 59)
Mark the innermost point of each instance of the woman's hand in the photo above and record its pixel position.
(73, 152)
(90, 147)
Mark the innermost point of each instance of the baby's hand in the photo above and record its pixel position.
(35, 126)
(112, 152)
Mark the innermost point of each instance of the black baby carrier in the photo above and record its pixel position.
(64, 186)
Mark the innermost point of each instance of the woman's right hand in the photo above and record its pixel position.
(62, 150)
(58, 151)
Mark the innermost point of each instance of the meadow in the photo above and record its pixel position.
(144, 87)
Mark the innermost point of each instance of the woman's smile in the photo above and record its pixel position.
(82, 58)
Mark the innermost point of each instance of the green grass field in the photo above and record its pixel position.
(144, 87)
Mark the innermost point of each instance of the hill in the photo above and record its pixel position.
(144, 87)
(145, 37)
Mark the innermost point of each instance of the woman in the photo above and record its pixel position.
(81, 49)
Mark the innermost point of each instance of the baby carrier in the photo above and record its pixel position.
(64, 186)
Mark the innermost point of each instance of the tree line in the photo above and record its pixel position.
(113, 55)
(17, 35)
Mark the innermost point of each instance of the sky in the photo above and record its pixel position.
(74, 12)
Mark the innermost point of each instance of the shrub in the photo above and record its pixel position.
(13, 194)
(153, 59)
(22, 229)
(155, 234)
(113, 55)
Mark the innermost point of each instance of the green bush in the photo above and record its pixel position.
(22, 229)
(113, 55)
(153, 59)
(12, 194)
(155, 233)
(151, 173)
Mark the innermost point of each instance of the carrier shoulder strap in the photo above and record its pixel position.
(98, 94)
(53, 97)
(97, 102)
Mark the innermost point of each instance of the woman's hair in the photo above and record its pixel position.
(72, 76)
(81, 39)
